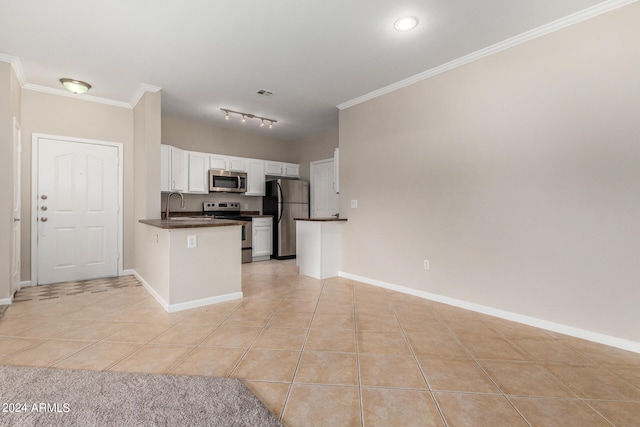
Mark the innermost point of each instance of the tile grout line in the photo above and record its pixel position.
(358, 366)
(415, 358)
(304, 343)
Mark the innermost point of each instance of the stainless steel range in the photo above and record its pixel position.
(231, 210)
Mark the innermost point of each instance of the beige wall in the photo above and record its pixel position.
(516, 176)
(73, 117)
(198, 136)
(9, 108)
(317, 146)
(146, 184)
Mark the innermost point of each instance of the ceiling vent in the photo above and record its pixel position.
(265, 93)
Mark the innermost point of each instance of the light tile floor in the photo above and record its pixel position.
(336, 353)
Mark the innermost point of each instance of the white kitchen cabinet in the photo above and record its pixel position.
(274, 168)
(198, 172)
(255, 178)
(165, 167)
(217, 161)
(237, 164)
(178, 169)
(289, 170)
(336, 170)
(262, 238)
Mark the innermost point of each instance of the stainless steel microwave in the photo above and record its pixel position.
(227, 181)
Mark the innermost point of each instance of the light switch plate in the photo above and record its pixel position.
(354, 204)
(192, 241)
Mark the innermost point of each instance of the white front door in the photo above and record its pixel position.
(77, 211)
(15, 227)
(324, 200)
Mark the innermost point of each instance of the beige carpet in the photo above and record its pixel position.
(58, 397)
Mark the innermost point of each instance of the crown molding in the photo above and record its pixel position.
(142, 89)
(84, 97)
(17, 67)
(551, 27)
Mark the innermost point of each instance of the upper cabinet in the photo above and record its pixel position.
(336, 170)
(255, 178)
(188, 171)
(174, 169)
(198, 172)
(289, 170)
(217, 161)
(237, 164)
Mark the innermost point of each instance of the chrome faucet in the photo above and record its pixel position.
(166, 212)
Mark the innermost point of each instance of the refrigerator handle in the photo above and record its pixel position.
(281, 204)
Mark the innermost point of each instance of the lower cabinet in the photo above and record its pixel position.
(262, 238)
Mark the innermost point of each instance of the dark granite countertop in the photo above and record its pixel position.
(192, 222)
(321, 219)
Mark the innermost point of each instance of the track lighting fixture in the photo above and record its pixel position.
(248, 115)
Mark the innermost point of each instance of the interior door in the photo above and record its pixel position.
(15, 226)
(324, 199)
(77, 211)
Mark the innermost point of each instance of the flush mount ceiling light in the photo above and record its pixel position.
(75, 86)
(246, 116)
(405, 24)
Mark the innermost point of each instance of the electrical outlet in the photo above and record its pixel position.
(192, 241)
(246, 206)
(354, 204)
(426, 264)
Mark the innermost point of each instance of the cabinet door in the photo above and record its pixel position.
(262, 235)
(179, 169)
(255, 178)
(237, 164)
(292, 170)
(198, 172)
(274, 168)
(217, 161)
(165, 167)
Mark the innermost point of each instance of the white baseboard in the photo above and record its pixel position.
(152, 291)
(205, 301)
(127, 272)
(25, 284)
(172, 308)
(6, 301)
(515, 317)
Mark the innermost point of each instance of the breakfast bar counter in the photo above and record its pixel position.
(191, 262)
(318, 246)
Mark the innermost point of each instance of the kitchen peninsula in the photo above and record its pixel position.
(318, 246)
(191, 262)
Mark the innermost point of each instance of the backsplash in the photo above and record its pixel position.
(193, 202)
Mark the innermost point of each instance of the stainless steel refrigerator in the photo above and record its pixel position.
(286, 199)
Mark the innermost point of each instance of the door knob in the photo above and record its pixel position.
(43, 219)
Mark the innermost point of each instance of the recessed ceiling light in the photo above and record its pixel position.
(405, 24)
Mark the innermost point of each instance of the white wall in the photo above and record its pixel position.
(516, 176)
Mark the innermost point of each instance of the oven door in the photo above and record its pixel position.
(227, 182)
(247, 249)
